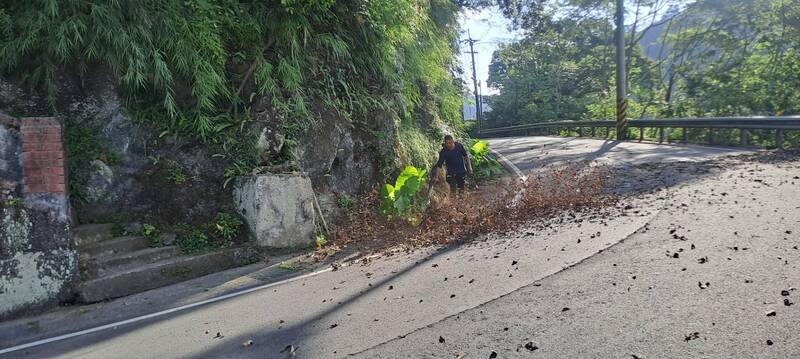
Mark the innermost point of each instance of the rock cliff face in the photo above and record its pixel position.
(134, 174)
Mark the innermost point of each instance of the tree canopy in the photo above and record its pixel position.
(700, 58)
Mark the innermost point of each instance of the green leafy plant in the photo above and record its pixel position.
(484, 165)
(194, 242)
(152, 234)
(175, 174)
(320, 240)
(401, 198)
(227, 225)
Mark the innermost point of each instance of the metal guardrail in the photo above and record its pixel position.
(779, 124)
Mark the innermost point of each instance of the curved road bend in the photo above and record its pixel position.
(398, 306)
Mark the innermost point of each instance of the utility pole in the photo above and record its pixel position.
(622, 92)
(480, 96)
(472, 52)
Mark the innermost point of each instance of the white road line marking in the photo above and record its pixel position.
(510, 165)
(158, 314)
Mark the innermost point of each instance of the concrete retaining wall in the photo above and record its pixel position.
(38, 260)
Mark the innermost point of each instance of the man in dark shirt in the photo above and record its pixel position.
(455, 158)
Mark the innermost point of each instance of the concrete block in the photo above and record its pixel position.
(278, 209)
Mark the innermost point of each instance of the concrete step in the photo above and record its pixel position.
(87, 234)
(162, 273)
(103, 265)
(114, 246)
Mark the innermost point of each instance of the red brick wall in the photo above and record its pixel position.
(42, 155)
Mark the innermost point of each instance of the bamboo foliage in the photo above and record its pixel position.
(356, 55)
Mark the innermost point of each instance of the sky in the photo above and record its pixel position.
(491, 29)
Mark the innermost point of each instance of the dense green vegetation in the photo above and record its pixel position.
(709, 58)
(484, 163)
(403, 197)
(196, 68)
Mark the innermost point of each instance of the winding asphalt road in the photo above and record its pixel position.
(503, 291)
(528, 153)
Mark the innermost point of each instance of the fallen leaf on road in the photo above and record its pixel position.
(769, 342)
(219, 335)
(441, 339)
(530, 346)
(492, 355)
(787, 302)
(785, 293)
(771, 313)
(333, 326)
(703, 285)
(247, 343)
(692, 336)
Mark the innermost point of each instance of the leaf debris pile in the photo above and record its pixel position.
(498, 207)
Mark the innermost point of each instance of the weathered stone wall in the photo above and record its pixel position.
(38, 260)
(130, 181)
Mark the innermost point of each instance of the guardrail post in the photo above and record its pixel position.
(608, 132)
(779, 139)
(710, 136)
(743, 137)
(661, 135)
(641, 134)
(685, 135)
(594, 131)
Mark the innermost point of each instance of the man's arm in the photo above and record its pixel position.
(466, 160)
(440, 162)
